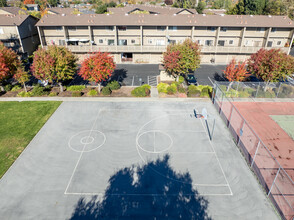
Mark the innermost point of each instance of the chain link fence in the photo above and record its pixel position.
(276, 182)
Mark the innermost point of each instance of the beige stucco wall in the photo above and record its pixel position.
(52, 31)
(101, 30)
(231, 31)
(8, 31)
(202, 31)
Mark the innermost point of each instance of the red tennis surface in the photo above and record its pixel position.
(279, 143)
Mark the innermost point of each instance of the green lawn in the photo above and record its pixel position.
(286, 123)
(19, 123)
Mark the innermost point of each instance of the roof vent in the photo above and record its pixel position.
(107, 14)
(78, 14)
(251, 15)
(203, 14)
(155, 14)
(126, 14)
(175, 14)
(62, 14)
(222, 15)
(269, 16)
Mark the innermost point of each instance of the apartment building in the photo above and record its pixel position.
(18, 31)
(142, 38)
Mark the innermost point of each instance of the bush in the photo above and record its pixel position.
(205, 92)
(16, 88)
(92, 92)
(7, 87)
(266, 94)
(76, 94)
(113, 85)
(141, 91)
(106, 90)
(162, 87)
(77, 88)
(53, 94)
(25, 94)
(172, 89)
(181, 90)
(181, 79)
(193, 91)
(39, 90)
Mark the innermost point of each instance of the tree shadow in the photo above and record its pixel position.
(151, 191)
(119, 75)
(219, 77)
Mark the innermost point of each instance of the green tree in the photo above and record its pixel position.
(200, 7)
(271, 65)
(3, 3)
(22, 77)
(181, 58)
(53, 3)
(55, 64)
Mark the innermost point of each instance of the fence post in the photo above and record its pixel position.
(230, 115)
(278, 91)
(257, 89)
(274, 181)
(255, 153)
(241, 133)
(237, 89)
(220, 108)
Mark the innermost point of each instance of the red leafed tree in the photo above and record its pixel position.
(236, 72)
(171, 61)
(29, 2)
(9, 64)
(54, 64)
(97, 68)
(22, 77)
(271, 65)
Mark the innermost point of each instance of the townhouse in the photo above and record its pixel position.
(18, 31)
(143, 37)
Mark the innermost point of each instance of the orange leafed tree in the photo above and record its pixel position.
(236, 72)
(29, 2)
(97, 68)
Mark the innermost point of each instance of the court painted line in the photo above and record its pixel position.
(218, 161)
(73, 173)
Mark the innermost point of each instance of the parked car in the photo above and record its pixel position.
(191, 80)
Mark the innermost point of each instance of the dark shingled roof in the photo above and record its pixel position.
(11, 20)
(168, 20)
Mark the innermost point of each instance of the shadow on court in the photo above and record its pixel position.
(141, 192)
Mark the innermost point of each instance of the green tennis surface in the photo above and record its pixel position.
(286, 123)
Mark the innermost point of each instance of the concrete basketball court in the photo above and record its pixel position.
(84, 143)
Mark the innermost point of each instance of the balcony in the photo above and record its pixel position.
(117, 49)
(244, 49)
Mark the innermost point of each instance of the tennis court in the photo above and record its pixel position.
(84, 144)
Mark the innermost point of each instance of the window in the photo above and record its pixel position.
(1, 31)
(133, 41)
(160, 42)
(58, 28)
(274, 30)
(269, 44)
(223, 29)
(248, 43)
(211, 28)
(260, 29)
(149, 41)
(109, 28)
(199, 42)
(257, 43)
(110, 42)
(61, 42)
(122, 28)
(122, 42)
(172, 41)
(221, 43)
(231, 42)
(172, 28)
(279, 43)
(100, 41)
(208, 43)
(72, 28)
(160, 28)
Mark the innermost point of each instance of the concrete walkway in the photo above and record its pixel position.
(103, 99)
(154, 92)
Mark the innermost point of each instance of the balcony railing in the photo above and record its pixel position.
(160, 49)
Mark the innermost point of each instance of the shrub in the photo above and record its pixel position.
(172, 89)
(77, 88)
(76, 94)
(181, 90)
(92, 92)
(53, 94)
(141, 91)
(181, 79)
(266, 94)
(25, 94)
(162, 87)
(39, 91)
(205, 92)
(193, 91)
(15, 88)
(8, 87)
(113, 85)
(176, 85)
(106, 90)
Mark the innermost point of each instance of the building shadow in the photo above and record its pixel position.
(151, 191)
